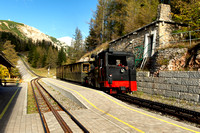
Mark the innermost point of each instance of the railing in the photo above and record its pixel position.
(179, 37)
(11, 80)
(140, 56)
(165, 40)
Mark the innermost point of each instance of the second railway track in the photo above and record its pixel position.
(180, 113)
(45, 103)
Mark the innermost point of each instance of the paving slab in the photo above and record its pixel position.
(52, 123)
(96, 123)
(15, 118)
(129, 118)
(70, 122)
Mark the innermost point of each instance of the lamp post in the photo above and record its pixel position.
(48, 69)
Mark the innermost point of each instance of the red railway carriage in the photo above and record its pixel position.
(115, 72)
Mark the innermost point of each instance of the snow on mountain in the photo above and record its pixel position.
(65, 40)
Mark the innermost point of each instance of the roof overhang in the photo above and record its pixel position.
(4, 61)
(146, 26)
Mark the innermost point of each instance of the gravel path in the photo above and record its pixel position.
(170, 101)
(63, 100)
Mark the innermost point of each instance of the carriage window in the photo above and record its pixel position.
(117, 60)
(86, 68)
(71, 68)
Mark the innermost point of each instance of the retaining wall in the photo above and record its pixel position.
(176, 84)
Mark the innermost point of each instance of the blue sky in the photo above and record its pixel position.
(57, 18)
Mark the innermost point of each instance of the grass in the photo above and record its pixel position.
(167, 100)
(44, 72)
(41, 71)
(31, 103)
(11, 22)
(180, 45)
(96, 50)
(11, 27)
(163, 61)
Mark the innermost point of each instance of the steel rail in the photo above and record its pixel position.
(44, 124)
(29, 68)
(41, 116)
(63, 124)
(71, 116)
(181, 113)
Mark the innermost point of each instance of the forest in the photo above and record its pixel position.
(40, 54)
(112, 19)
(115, 18)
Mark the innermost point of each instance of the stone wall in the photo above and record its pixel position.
(151, 37)
(175, 84)
(171, 59)
(136, 38)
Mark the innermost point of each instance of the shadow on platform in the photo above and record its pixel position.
(8, 98)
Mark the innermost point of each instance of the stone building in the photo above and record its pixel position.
(145, 41)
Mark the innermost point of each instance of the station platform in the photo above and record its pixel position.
(13, 107)
(100, 112)
(13, 111)
(104, 113)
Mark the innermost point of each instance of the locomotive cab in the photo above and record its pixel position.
(115, 72)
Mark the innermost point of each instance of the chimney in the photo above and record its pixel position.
(164, 12)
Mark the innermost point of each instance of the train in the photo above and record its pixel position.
(112, 71)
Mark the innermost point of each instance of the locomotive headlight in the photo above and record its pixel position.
(122, 70)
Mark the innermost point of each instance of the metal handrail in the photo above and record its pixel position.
(182, 35)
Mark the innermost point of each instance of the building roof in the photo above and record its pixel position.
(142, 28)
(4, 61)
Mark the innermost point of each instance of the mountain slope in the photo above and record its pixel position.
(26, 32)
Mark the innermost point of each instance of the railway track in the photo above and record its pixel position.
(180, 113)
(45, 103)
(29, 67)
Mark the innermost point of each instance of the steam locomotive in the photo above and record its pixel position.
(112, 71)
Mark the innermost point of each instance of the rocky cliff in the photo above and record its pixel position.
(26, 32)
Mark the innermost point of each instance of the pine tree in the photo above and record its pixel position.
(117, 17)
(99, 32)
(188, 12)
(31, 53)
(91, 41)
(78, 45)
(70, 58)
(61, 57)
(52, 55)
(10, 52)
(42, 53)
(35, 59)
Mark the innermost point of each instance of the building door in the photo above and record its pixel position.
(149, 44)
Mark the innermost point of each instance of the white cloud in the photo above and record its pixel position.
(67, 40)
